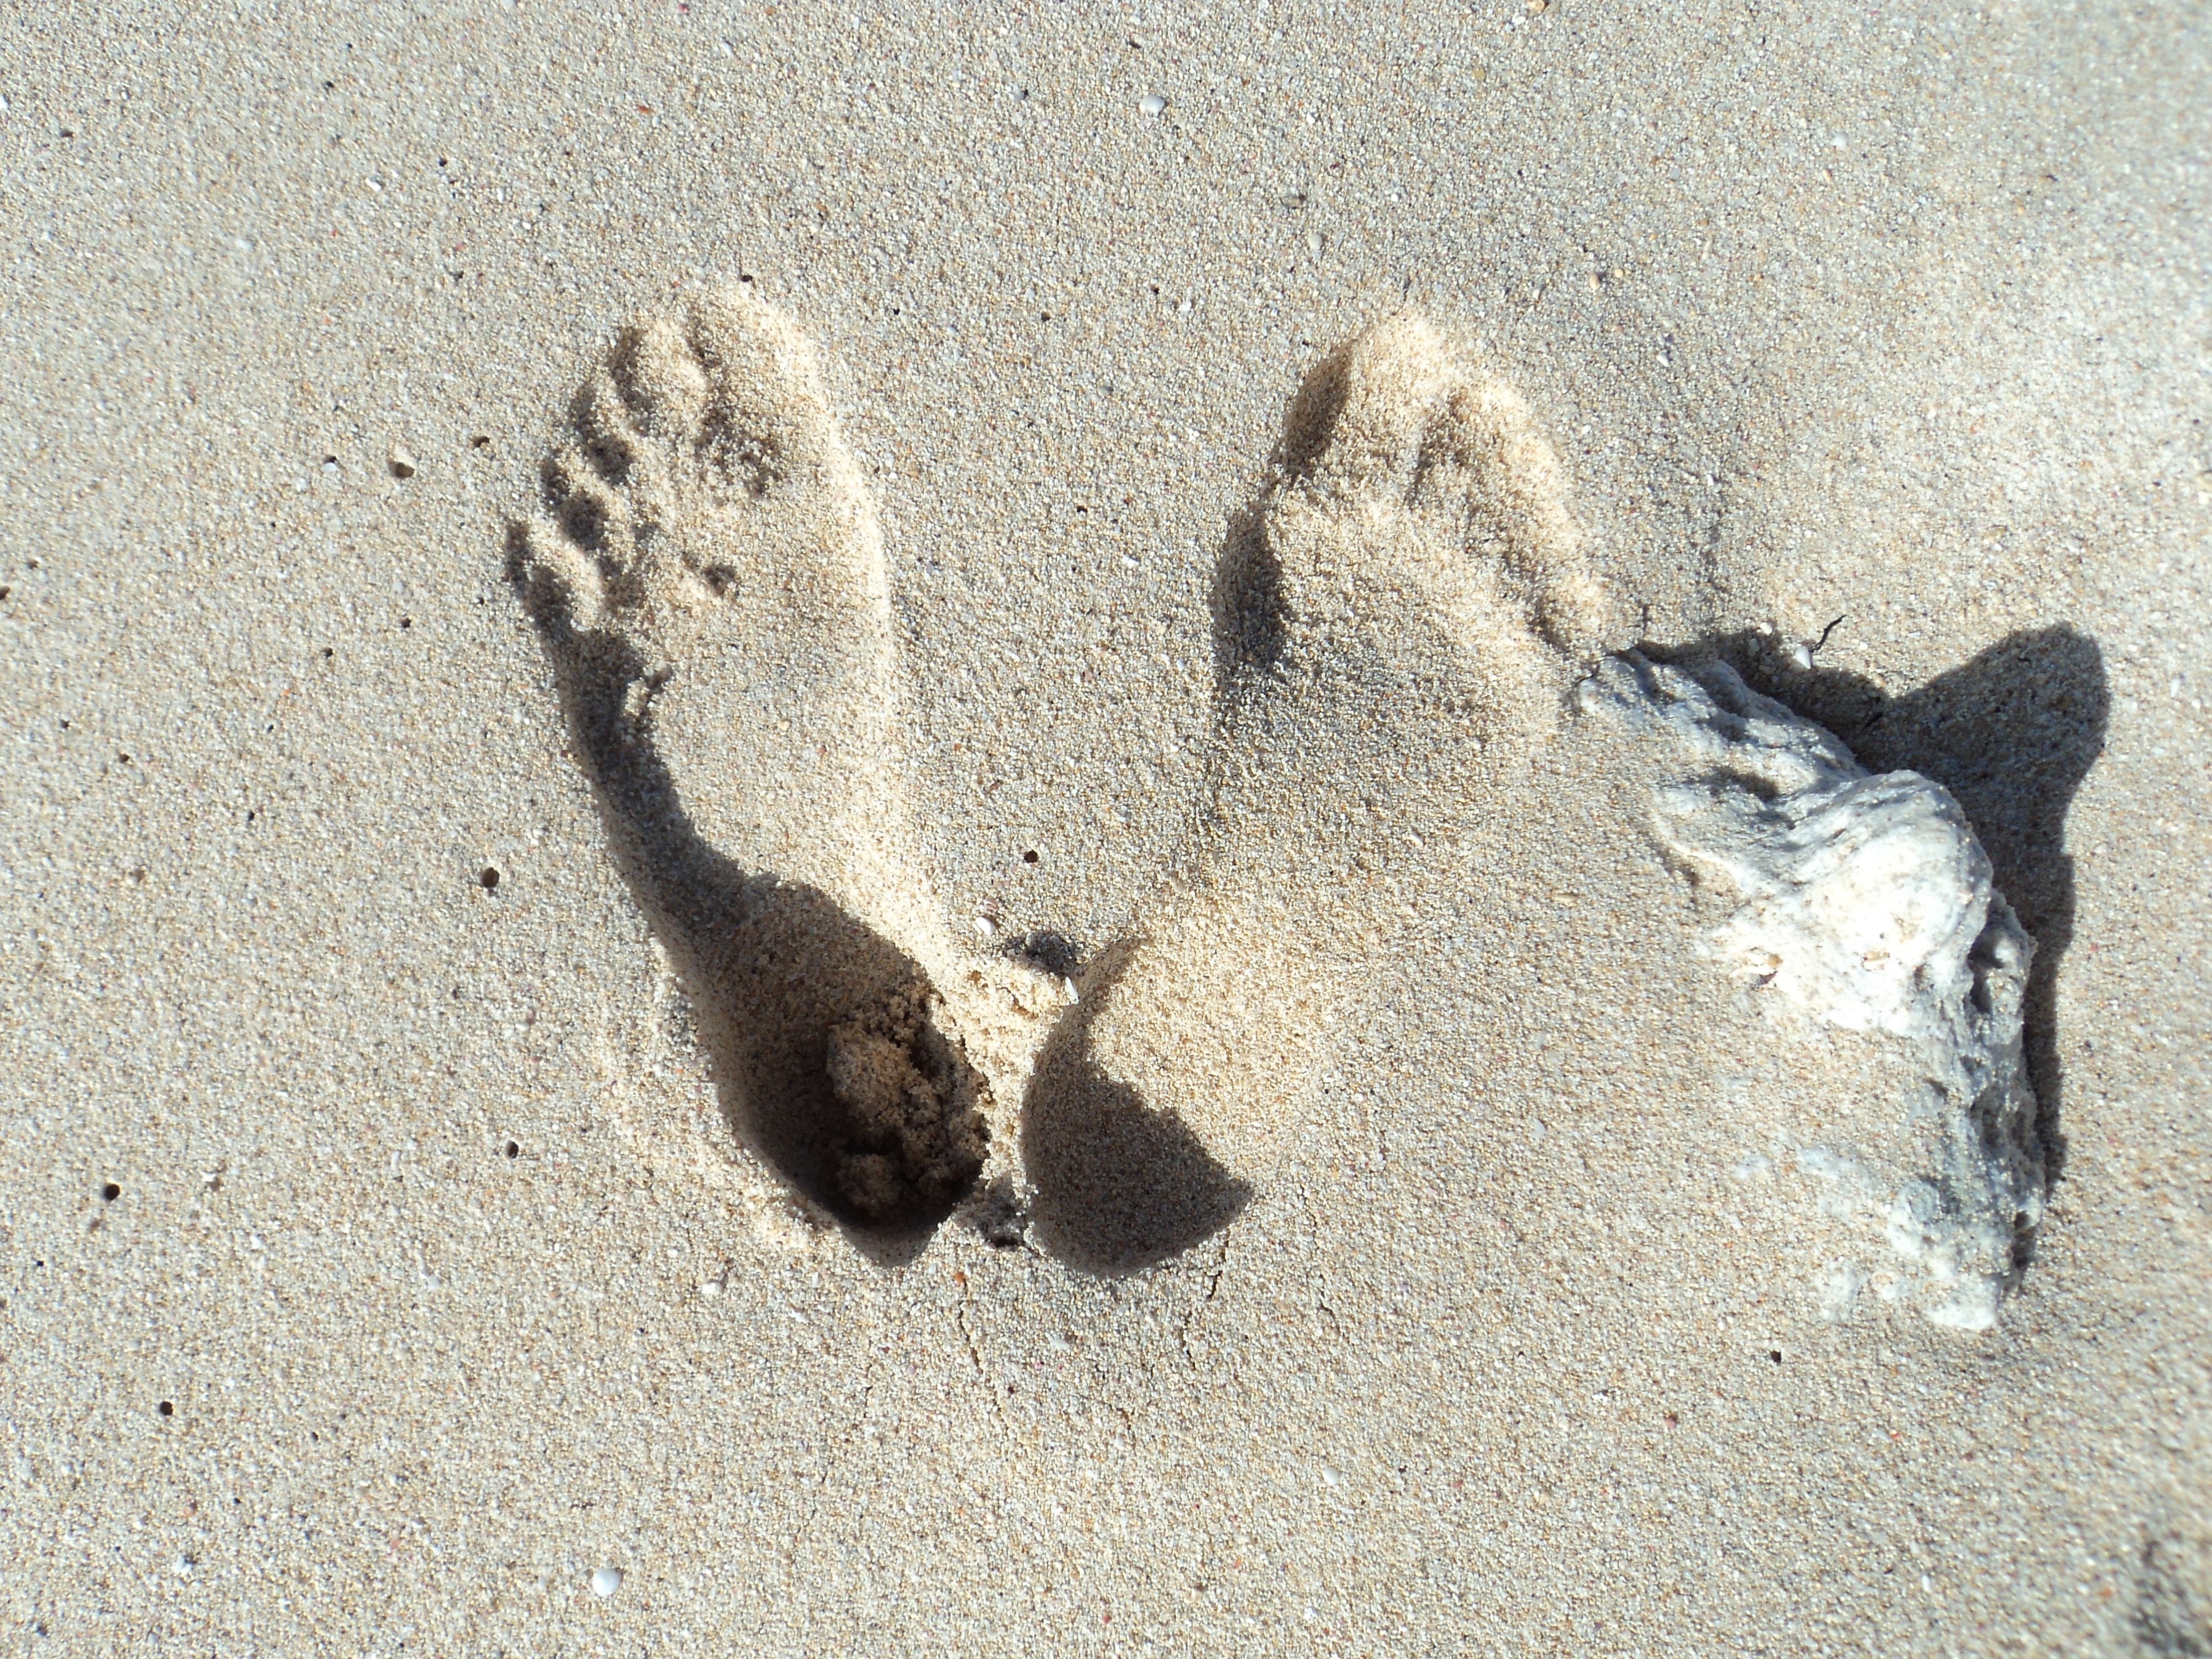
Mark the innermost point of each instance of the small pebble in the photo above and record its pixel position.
(986, 927)
(1154, 104)
(403, 461)
(605, 1582)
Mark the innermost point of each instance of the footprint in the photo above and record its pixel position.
(1397, 622)
(708, 579)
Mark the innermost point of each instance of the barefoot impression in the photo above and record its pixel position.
(1412, 619)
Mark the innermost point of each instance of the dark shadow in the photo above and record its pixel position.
(1311, 420)
(1049, 949)
(772, 967)
(1246, 600)
(2011, 734)
(1116, 1185)
(2170, 1621)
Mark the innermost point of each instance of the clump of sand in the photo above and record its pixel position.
(915, 1133)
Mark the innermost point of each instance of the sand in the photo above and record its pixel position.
(399, 1250)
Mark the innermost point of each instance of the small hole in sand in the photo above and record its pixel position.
(481, 441)
(488, 878)
(110, 1193)
(1775, 1354)
(407, 622)
(514, 1151)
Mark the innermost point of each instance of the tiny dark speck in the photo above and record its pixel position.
(110, 1193)
(514, 1151)
(165, 1409)
(407, 622)
(1775, 1354)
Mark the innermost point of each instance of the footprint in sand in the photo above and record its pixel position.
(1398, 623)
(709, 578)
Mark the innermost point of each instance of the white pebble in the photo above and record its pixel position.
(606, 1581)
(986, 927)
(403, 461)
(1154, 104)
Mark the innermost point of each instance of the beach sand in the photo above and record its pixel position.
(1341, 1204)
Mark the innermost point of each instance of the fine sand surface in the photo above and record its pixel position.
(804, 853)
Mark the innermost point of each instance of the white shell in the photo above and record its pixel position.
(1866, 902)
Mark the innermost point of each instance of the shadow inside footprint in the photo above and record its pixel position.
(1246, 602)
(2171, 1620)
(1118, 1185)
(827, 1060)
(2011, 734)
